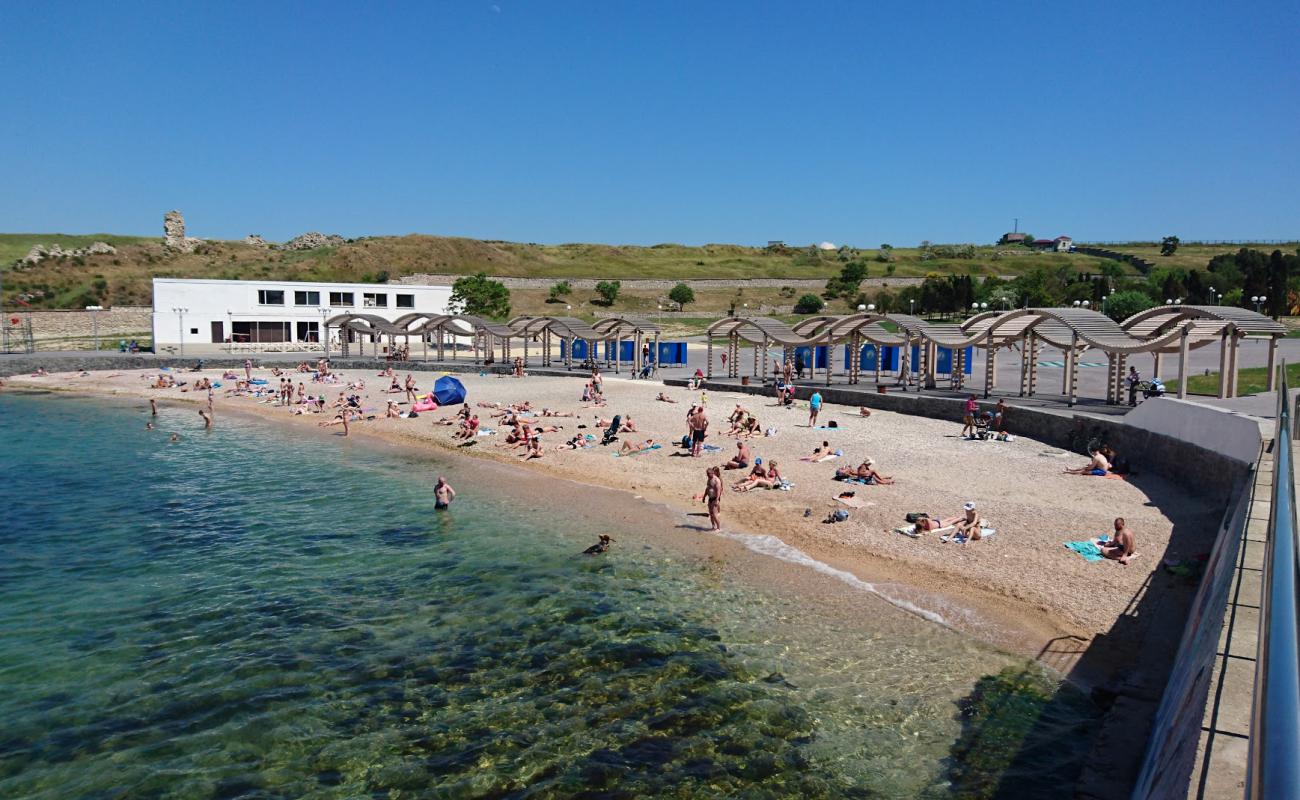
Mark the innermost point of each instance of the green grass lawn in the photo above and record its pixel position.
(1250, 380)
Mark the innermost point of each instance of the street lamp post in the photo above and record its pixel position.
(180, 327)
(324, 333)
(94, 323)
(1258, 301)
(1212, 295)
(230, 331)
(911, 307)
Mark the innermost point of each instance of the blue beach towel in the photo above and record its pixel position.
(1088, 550)
(639, 452)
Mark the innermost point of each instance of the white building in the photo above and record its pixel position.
(274, 313)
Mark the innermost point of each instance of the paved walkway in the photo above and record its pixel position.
(1224, 745)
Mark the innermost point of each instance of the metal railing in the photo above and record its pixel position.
(1273, 769)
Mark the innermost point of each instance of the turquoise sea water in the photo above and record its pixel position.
(250, 613)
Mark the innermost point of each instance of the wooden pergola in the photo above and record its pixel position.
(616, 329)
(1164, 330)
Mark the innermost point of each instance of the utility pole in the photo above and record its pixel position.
(1016, 228)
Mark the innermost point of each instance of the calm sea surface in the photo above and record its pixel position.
(250, 613)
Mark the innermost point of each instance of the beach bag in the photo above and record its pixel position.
(686, 441)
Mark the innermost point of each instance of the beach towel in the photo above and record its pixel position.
(639, 452)
(910, 530)
(859, 481)
(711, 448)
(1087, 549)
(985, 533)
(821, 458)
(858, 502)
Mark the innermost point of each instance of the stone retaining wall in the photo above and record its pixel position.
(659, 285)
(65, 324)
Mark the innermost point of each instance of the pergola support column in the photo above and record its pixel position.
(1182, 364)
(1223, 365)
(1272, 365)
(1072, 367)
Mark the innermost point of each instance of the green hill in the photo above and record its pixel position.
(124, 277)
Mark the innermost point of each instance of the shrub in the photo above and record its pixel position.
(682, 294)
(809, 304)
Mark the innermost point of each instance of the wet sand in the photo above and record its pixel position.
(1018, 589)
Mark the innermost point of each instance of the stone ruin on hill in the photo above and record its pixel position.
(40, 252)
(174, 231)
(312, 240)
(255, 240)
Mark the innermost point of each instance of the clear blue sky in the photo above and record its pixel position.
(644, 122)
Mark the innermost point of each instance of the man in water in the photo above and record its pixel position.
(207, 418)
(814, 406)
(443, 494)
(1120, 546)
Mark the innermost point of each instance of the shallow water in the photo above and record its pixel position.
(249, 613)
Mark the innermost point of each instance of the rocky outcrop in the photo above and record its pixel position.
(312, 240)
(174, 233)
(255, 240)
(40, 252)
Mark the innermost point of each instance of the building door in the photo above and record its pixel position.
(218, 332)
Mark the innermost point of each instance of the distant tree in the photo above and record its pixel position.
(381, 276)
(809, 304)
(480, 296)
(608, 291)
(847, 283)
(559, 291)
(1028, 241)
(1123, 305)
(682, 294)
(1169, 245)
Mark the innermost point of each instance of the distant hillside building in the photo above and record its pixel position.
(1061, 244)
(1013, 238)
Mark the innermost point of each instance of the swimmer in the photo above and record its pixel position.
(207, 418)
(599, 547)
(175, 437)
(443, 494)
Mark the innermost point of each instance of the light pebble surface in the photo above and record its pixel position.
(1023, 572)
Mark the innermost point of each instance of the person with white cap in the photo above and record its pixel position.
(969, 526)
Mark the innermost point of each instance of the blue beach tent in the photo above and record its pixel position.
(448, 391)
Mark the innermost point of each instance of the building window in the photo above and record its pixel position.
(306, 298)
(341, 299)
(309, 332)
(194, 330)
(406, 301)
(374, 300)
(270, 297)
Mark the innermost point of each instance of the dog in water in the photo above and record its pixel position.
(599, 547)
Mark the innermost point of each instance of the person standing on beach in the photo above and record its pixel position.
(814, 406)
(1000, 415)
(713, 496)
(410, 389)
(699, 424)
(443, 494)
(248, 369)
(968, 418)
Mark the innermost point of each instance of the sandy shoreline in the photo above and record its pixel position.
(1021, 587)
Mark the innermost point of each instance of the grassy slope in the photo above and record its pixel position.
(1192, 256)
(126, 276)
(1250, 380)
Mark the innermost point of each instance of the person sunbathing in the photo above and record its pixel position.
(751, 427)
(741, 459)
(1099, 465)
(771, 480)
(534, 450)
(550, 412)
(537, 429)
(628, 426)
(969, 524)
(468, 428)
(663, 398)
(636, 447)
(1119, 547)
(576, 443)
(759, 472)
(393, 412)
